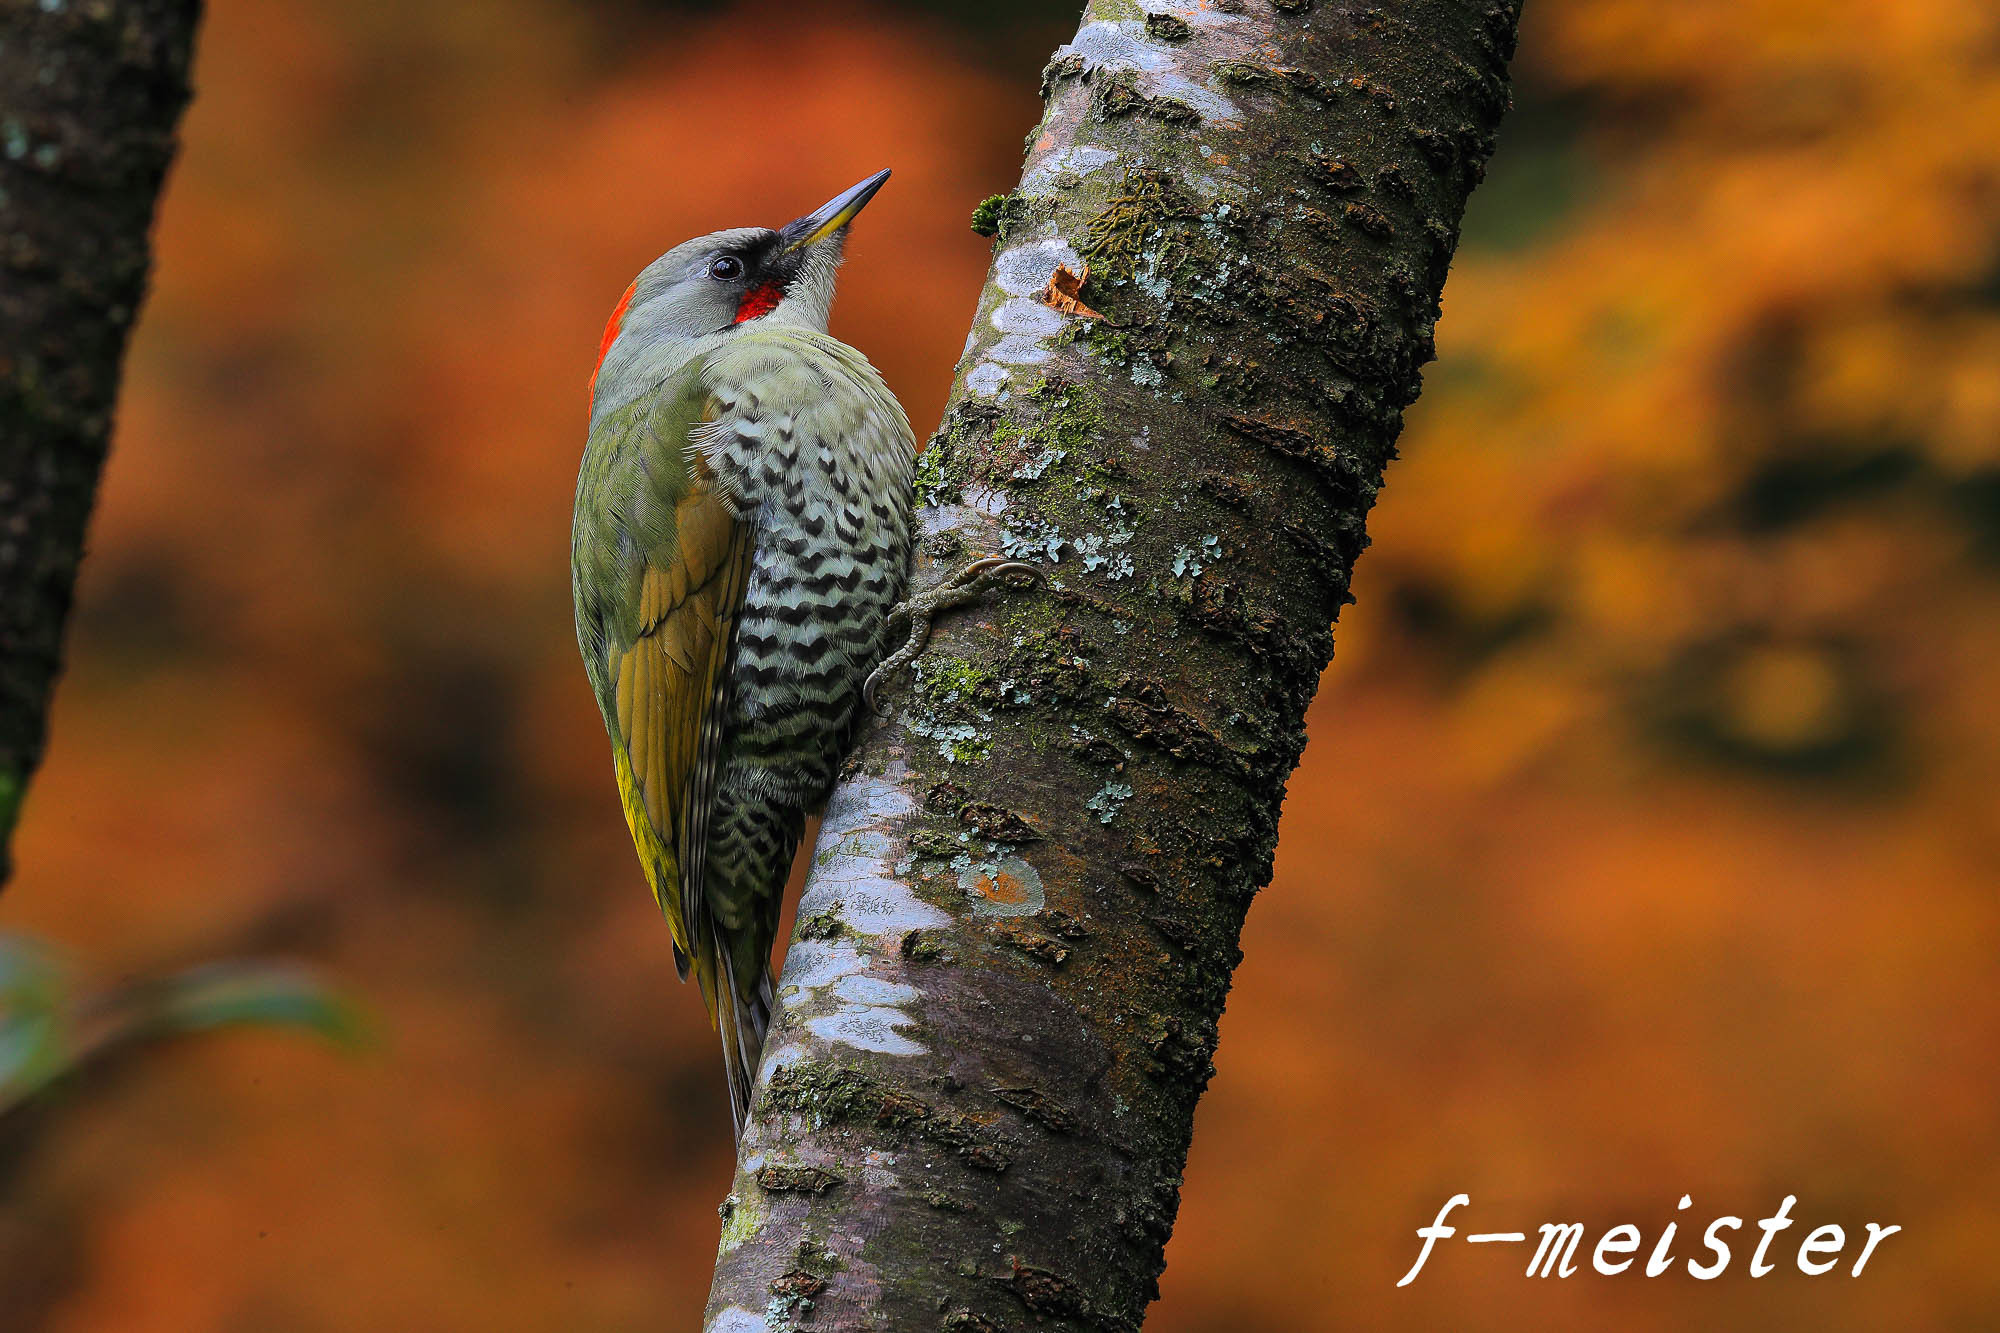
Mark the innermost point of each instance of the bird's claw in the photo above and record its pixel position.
(997, 565)
(966, 584)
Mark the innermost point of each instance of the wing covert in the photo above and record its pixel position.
(666, 680)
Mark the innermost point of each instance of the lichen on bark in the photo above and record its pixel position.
(1025, 907)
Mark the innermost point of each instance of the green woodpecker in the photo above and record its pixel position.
(741, 537)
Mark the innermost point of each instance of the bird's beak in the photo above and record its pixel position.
(830, 216)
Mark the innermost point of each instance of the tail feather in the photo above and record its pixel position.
(742, 1022)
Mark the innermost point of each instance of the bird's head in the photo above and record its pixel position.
(738, 278)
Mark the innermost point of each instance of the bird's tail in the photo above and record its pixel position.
(742, 1020)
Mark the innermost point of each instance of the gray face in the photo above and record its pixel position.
(743, 278)
(747, 275)
(703, 286)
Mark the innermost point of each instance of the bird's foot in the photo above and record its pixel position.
(967, 584)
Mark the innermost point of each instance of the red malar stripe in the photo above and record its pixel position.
(759, 300)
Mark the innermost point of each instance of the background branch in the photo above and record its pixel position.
(90, 95)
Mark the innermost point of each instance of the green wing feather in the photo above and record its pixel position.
(659, 566)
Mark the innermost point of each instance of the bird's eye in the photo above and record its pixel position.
(726, 268)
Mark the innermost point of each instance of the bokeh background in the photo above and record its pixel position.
(1648, 839)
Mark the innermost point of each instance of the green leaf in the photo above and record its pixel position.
(36, 1043)
(49, 1030)
(237, 994)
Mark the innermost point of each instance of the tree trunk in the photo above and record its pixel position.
(999, 1007)
(90, 94)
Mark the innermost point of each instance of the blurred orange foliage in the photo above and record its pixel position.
(1671, 677)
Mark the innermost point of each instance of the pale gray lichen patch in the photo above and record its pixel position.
(968, 525)
(1100, 551)
(1031, 469)
(955, 740)
(1109, 798)
(1023, 316)
(986, 500)
(1027, 328)
(1075, 160)
(858, 887)
(1123, 46)
(736, 1319)
(874, 992)
(986, 379)
(1190, 562)
(1095, 549)
(867, 1028)
(934, 520)
(790, 1053)
(1006, 887)
(814, 965)
(1032, 539)
(1024, 269)
(831, 983)
(1199, 14)
(960, 738)
(1019, 349)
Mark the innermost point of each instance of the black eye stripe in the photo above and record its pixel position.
(755, 257)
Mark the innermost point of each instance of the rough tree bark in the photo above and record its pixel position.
(91, 92)
(999, 1007)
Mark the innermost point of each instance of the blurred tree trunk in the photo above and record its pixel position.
(90, 94)
(1000, 1004)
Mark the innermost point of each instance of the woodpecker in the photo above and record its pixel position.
(738, 552)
